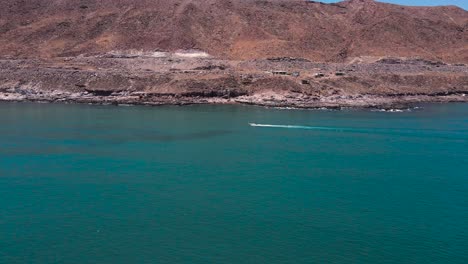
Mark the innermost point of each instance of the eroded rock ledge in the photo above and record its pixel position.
(276, 82)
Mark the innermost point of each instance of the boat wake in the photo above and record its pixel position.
(388, 131)
(296, 127)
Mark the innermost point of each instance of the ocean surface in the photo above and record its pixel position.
(199, 184)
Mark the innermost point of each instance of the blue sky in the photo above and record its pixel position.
(460, 3)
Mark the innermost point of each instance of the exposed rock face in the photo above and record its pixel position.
(237, 29)
(170, 80)
(266, 52)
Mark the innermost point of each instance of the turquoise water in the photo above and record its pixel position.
(198, 184)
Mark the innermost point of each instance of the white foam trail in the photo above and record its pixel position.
(388, 131)
(333, 129)
(294, 127)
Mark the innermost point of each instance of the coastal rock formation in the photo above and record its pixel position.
(290, 83)
(235, 30)
(265, 52)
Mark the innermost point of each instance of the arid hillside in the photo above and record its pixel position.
(236, 29)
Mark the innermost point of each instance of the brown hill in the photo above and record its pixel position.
(235, 29)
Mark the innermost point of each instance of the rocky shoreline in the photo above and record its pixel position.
(381, 102)
(169, 79)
